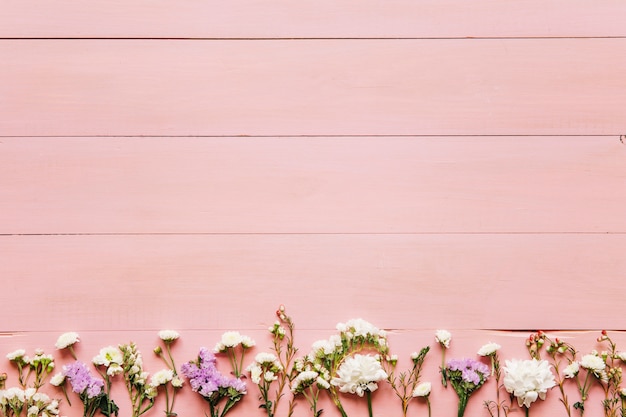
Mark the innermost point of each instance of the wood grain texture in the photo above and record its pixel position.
(314, 87)
(312, 185)
(508, 281)
(306, 18)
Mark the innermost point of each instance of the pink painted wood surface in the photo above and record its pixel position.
(312, 185)
(347, 87)
(403, 281)
(306, 18)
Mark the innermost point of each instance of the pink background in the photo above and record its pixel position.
(419, 164)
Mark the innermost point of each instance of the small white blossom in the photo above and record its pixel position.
(422, 390)
(255, 373)
(489, 349)
(443, 337)
(66, 340)
(231, 339)
(168, 336)
(15, 355)
(58, 379)
(593, 363)
(247, 342)
(161, 377)
(571, 370)
(177, 382)
(109, 355)
(269, 376)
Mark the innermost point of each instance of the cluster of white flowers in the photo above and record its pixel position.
(358, 374)
(231, 340)
(528, 380)
(134, 373)
(36, 403)
(264, 368)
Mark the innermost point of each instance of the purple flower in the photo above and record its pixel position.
(206, 379)
(81, 380)
(471, 370)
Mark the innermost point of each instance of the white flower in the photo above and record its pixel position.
(571, 370)
(66, 340)
(324, 347)
(528, 380)
(17, 354)
(107, 356)
(593, 363)
(231, 339)
(422, 390)
(360, 327)
(255, 373)
(322, 383)
(303, 380)
(359, 373)
(168, 336)
(269, 376)
(414, 355)
(621, 356)
(443, 337)
(33, 410)
(161, 377)
(488, 349)
(177, 382)
(114, 369)
(265, 358)
(247, 342)
(58, 379)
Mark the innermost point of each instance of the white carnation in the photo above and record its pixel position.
(161, 377)
(593, 363)
(16, 354)
(358, 374)
(528, 380)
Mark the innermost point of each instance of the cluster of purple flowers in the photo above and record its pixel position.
(206, 379)
(83, 383)
(471, 370)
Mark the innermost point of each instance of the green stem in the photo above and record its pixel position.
(527, 411)
(462, 404)
(428, 403)
(369, 403)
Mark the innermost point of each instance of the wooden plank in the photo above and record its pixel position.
(457, 281)
(464, 343)
(306, 18)
(349, 87)
(312, 185)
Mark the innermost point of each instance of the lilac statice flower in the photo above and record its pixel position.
(211, 384)
(471, 370)
(466, 376)
(81, 380)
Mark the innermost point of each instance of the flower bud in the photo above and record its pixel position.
(158, 350)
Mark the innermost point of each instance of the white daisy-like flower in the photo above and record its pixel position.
(16, 354)
(443, 337)
(303, 380)
(593, 363)
(109, 355)
(58, 379)
(571, 370)
(269, 376)
(247, 342)
(231, 339)
(177, 382)
(358, 374)
(528, 380)
(255, 373)
(114, 369)
(422, 390)
(265, 358)
(66, 340)
(489, 349)
(161, 377)
(168, 336)
(324, 347)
